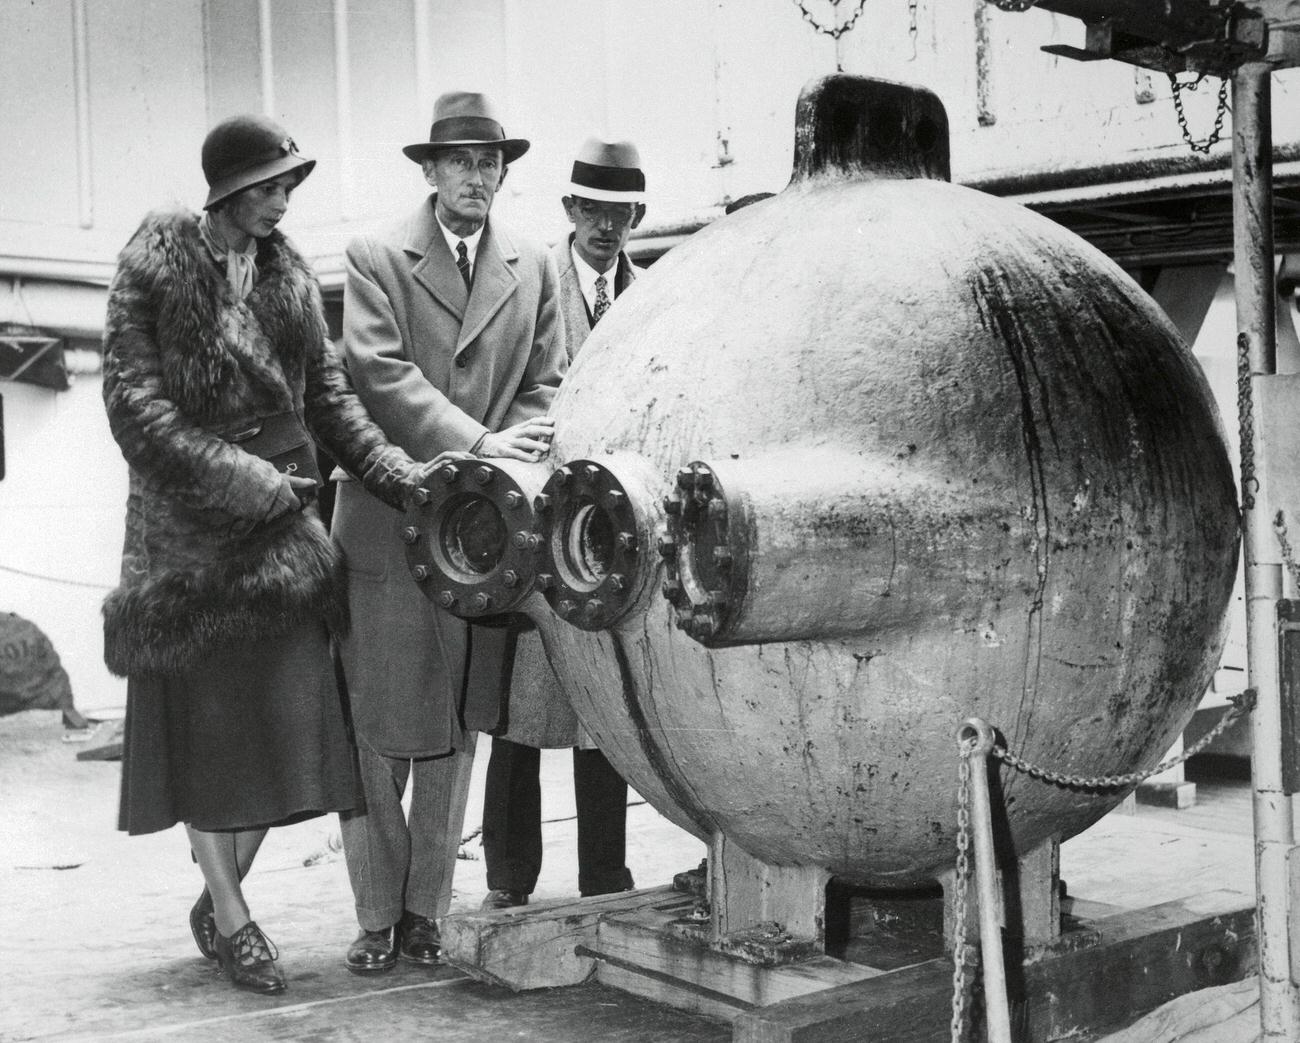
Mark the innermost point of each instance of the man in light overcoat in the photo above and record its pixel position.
(453, 339)
(605, 202)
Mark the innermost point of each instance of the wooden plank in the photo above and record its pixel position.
(640, 952)
(1143, 959)
(532, 946)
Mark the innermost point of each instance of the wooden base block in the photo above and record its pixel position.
(1143, 958)
(533, 946)
(652, 953)
(1167, 794)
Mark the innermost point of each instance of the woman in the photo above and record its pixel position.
(215, 354)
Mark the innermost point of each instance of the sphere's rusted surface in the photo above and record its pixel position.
(1051, 505)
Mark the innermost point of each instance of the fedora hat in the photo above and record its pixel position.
(246, 150)
(608, 172)
(463, 118)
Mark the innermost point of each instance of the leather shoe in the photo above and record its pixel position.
(418, 939)
(248, 959)
(501, 899)
(203, 925)
(371, 953)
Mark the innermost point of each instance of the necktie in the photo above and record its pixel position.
(602, 299)
(462, 262)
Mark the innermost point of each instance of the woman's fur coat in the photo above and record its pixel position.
(215, 554)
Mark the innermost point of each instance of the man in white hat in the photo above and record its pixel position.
(606, 200)
(453, 339)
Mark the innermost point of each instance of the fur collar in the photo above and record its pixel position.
(212, 346)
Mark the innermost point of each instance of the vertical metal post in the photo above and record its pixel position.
(997, 1011)
(1252, 218)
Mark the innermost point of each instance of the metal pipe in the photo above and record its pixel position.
(997, 1012)
(1252, 213)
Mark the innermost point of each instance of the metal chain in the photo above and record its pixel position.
(834, 31)
(1246, 424)
(912, 28)
(960, 886)
(1242, 704)
(1013, 5)
(1222, 109)
(1288, 558)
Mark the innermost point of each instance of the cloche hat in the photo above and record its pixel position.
(608, 171)
(246, 150)
(465, 118)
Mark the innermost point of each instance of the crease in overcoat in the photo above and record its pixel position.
(437, 366)
(538, 712)
(212, 554)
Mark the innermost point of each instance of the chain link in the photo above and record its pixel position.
(1013, 5)
(1199, 146)
(960, 885)
(833, 31)
(1242, 704)
(912, 28)
(1288, 557)
(1246, 424)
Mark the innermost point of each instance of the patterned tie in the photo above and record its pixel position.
(602, 300)
(462, 262)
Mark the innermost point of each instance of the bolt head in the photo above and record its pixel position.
(420, 573)
(482, 602)
(514, 500)
(626, 540)
(614, 499)
(673, 591)
(446, 599)
(510, 578)
(593, 608)
(541, 503)
(591, 472)
(449, 473)
(717, 510)
(617, 582)
(686, 478)
(483, 475)
(519, 538)
(565, 607)
(667, 547)
(562, 476)
(544, 581)
(672, 505)
(410, 534)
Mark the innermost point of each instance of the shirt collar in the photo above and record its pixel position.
(587, 276)
(471, 241)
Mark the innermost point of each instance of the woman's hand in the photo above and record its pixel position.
(305, 489)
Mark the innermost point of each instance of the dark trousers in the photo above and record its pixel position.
(512, 820)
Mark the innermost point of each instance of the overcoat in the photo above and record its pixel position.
(538, 712)
(214, 551)
(438, 366)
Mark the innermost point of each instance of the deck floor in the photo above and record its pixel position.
(95, 941)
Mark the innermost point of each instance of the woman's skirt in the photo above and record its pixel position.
(252, 736)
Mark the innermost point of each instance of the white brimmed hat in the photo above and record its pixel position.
(608, 171)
